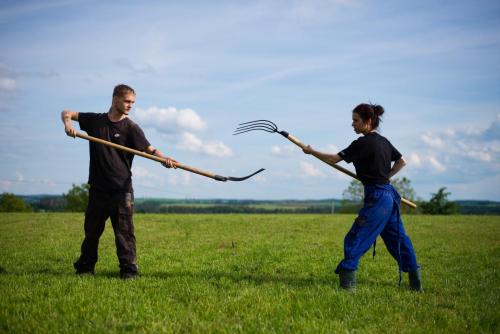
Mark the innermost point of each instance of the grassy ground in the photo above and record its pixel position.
(243, 273)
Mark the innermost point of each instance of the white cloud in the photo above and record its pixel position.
(181, 178)
(144, 68)
(7, 84)
(49, 183)
(450, 132)
(143, 173)
(316, 10)
(482, 156)
(181, 122)
(285, 150)
(432, 140)
(471, 148)
(436, 165)
(332, 148)
(493, 131)
(218, 149)
(424, 161)
(190, 142)
(309, 169)
(170, 120)
(19, 176)
(5, 185)
(261, 178)
(414, 160)
(338, 175)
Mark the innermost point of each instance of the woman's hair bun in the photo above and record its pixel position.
(378, 109)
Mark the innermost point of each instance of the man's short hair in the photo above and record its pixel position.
(122, 89)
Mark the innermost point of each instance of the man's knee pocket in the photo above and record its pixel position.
(126, 206)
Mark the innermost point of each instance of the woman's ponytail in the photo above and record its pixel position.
(378, 111)
(370, 111)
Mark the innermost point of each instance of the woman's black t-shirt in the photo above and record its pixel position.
(110, 169)
(371, 155)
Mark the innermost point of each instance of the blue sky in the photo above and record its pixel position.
(201, 67)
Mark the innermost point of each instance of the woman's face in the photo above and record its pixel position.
(360, 126)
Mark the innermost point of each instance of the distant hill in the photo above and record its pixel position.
(161, 205)
(478, 207)
(45, 202)
(236, 206)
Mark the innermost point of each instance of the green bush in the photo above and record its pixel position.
(11, 203)
(77, 198)
(439, 204)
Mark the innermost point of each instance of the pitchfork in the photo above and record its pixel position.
(268, 126)
(176, 164)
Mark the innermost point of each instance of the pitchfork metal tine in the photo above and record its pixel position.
(262, 125)
(263, 128)
(256, 127)
(257, 123)
(262, 121)
(239, 132)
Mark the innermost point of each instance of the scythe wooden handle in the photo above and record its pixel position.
(149, 156)
(297, 142)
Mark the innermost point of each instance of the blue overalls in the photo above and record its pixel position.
(379, 216)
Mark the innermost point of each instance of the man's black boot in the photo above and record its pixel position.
(129, 271)
(82, 269)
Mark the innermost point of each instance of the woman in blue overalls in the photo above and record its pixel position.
(372, 156)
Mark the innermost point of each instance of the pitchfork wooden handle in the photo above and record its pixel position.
(409, 203)
(297, 142)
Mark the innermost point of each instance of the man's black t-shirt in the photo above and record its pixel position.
(371, 155)
(110, 169)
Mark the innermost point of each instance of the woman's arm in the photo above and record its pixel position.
(396, 167)
(327, 157)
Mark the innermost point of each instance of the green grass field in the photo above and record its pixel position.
(246, 273)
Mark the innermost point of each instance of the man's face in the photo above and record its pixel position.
(123, 104)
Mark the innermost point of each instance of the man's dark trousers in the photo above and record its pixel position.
(119, 207)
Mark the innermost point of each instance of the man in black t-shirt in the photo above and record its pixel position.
(110, 179)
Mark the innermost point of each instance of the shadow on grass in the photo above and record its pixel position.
(62, 273)
(215, 277)
(208, 276)
(254, 278)
(295, 281)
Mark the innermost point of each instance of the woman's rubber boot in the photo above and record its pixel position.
(415, 277)
(347, 279)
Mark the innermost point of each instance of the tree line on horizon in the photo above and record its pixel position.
(75, 200)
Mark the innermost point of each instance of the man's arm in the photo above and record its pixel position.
(398, 165)
(67, 116)
(169, 162)
(327, 157)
